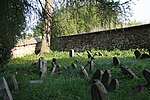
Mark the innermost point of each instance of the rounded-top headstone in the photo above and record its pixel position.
(116, 61)
(99, 92)
(114, 85)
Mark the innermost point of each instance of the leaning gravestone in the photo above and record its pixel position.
(97, 75)
(73, 65)
(127, 71)
(114, 85)
(98, 91)
(84, 72)
(4, 90)
(71, 53)
(146, 74)
(137, 54)
(89, 54)
(106, 78)
(116, 61)
(15, 83)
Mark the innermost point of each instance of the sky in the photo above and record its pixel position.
(141, 11)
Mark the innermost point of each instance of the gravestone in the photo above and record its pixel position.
(146, 74)
(71, 53)
(73, 65)
(42, 67)
(53, 68)
(36, 81)
(137, 89)
(96, 76)
(89, 54)
(114, 85)
(137, 54)
(15, 83)
(106, 78)
(98, 91)
(84, 72)
(4, 90)
(127, 71)
(91, 64)
(116, 61)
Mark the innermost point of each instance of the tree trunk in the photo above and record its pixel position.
(45, 46)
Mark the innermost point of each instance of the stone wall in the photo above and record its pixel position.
(125, 38)
(24, 47)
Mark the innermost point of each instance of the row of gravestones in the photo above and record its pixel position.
(5, 93)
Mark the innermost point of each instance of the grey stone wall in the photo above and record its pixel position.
(124, 38)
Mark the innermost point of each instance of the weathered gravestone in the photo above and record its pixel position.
(89, 54)
(85, 73)
(54, 66)
(137, 89)
(96, 76)
(4, 90)
(106, 78)
(73, 65)
(116, 61)
(146, 74)
(98, 91)
(71, 53)
(127, 71)
(43, 67)
(15, 83)
(91, 64)
(137, 54)
(114, 85)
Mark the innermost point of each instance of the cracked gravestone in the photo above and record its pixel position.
(146, 74)
(96, 76)
(71, 53)
(114, 84)
(98, 91)
(137, 54)
(127, 71)
(106, 78)
(116, 61)
(4, 90)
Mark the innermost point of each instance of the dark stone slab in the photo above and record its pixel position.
(96, 76)
(106, 78)
(116, 61)
(137, 54)
(98, 91)
(71, 53)
(127, 71)
(146, 74)
(114, 85)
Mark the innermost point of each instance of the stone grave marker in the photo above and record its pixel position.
(146, 74)
(96, 76)
(91, 64)
(116, 61)
(71, 53)
(36, 81)
(15, 83)
(44, 68)
(85, 73)
(106, 78)
(73, 65)
(54, 66)
(114, 85)
(145, 56)
(98, 91)
(4, 90)
(89, 54)
(127, 71)
(137, 54)
(136, 89)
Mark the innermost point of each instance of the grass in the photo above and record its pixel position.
(68, 84)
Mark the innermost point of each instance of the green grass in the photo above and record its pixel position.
(68, 84)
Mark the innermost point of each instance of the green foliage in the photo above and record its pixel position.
(11, 25)
(68, 84)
